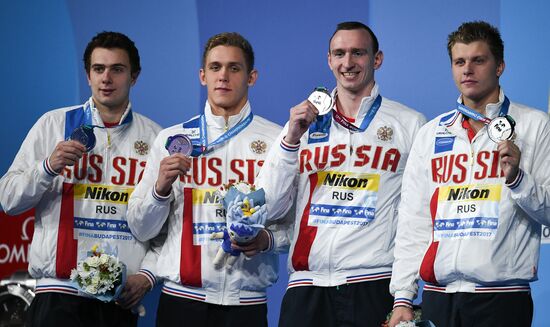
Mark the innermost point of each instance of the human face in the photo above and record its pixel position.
(476, 73)
(353, 62)
(110, 79)
(226, 79)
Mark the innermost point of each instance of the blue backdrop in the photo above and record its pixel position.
(43, 42)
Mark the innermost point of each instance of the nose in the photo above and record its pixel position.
(348, 61)
(106, 76)
(467, 69)
(223, 74)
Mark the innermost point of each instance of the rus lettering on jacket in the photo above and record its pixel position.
(91, 168)
(327, 156)
(213, 172)
(453, 167)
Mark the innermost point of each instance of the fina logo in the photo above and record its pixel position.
(317, 135)
(442, 141)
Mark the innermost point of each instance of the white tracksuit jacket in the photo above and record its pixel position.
(84, 205)
(347, 188)
(191, 213)
(461, 228)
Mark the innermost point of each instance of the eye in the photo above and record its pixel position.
(459, 62)
(479, 61)
(214, 67)
(118, 69)
(359, 53)
(338, 53)
(98, 69)
(235, 68)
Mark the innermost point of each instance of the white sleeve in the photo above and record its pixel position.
(29, 176)
(414, 228)
(279, 177)
(147, 211)
(531, 190)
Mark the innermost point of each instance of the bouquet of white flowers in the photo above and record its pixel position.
(245, 217)
(416, 322)
(100, 275)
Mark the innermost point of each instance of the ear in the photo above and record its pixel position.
(88, 78)
(134, 78)
(202, 77)
(252, 77)
(378, 59)
(500, 68)
(328, 60)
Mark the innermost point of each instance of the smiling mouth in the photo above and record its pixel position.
(349, 74)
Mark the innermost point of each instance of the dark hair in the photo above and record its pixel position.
(478, 31)
(230, 39)
(110, 40)
(347, 26)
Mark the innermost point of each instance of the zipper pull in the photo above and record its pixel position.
(108, 140)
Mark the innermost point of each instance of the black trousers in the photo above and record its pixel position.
(176, 311)
(57, 309)
(363, 304)
(514, 309)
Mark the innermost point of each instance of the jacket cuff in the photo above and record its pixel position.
(403, 299)
(160, 198)
(271, 243)
(48, 169)
(516, 182)
(150, 277)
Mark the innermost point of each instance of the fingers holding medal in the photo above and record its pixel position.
(177, 164)
(501, 131)
(319, 102)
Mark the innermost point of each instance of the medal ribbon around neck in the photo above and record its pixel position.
(232, 132)
(500, 128)
(85, 132)
(465, 110)
(342, 120)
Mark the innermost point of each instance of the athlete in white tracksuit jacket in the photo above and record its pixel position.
(461, 227)
(191, 213)
(85, 204)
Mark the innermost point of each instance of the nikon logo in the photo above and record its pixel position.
(464, 193)
(103, 194)
(341, 180)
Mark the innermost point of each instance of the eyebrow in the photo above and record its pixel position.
(113, 65)
(349, 49)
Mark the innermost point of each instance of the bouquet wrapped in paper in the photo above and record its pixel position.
(416, 322)
(100, 275)
(245, 218)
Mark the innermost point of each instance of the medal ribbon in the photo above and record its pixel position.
(465, 110)
(232, 132)
(341, 119)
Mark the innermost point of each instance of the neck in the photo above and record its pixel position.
(349, 102)
(480, 104)
(111, 115)
(226, 112)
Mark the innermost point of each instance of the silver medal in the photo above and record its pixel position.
(321, 99)
(501, 129)
(179, 144)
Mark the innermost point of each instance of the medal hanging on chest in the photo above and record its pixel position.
(500, 128)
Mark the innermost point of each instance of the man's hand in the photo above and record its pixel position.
(66, 153)
(401, 314)
(510, 156)
(301, 116)
(134, 290)
(170, 169)
(257, 245)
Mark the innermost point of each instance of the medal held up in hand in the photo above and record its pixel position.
(179, 143)
(85, 135)
(501, 129)
(321, 99)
